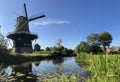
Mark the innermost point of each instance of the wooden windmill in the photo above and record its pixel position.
(22, 37)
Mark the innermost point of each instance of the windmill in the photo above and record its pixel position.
(58, 43)
(22, 37)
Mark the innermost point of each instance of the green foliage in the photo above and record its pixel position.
(92, 39)
(105, 39)
(70, 51)
(55, 53)
(95, 49)
(63, 78)
(83, 47)
(54, 48)
(87, 48)
(64, 51)
(93, 43)
(36, 54)
(115, 52)
(103, 68)
(47, 49)
(37, 47)
(73, 78)
(61, 50)
(1, 71)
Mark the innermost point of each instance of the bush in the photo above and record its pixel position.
(69, 51)
(115, 52)
(55, 53)
(95, 49)
(37, 47)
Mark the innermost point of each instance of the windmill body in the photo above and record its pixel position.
(22, 37)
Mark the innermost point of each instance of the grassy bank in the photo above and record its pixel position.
(102, 68)
(8, 58)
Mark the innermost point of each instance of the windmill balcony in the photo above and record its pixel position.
(14, 35)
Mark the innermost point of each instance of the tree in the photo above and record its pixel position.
(105, 39)
(3, 42)
(95, 49)
(92, 39)
(94, 44)
(60, 48)
(69, 51)
(47, 49)
(64, 51)
(83, 47)
(37, 47)
(54, 48)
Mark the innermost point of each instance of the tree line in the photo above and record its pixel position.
(58, 49)
(96, 43)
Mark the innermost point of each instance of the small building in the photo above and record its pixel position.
(115, 48)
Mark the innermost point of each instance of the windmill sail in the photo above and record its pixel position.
(31, 19)
(25, 11)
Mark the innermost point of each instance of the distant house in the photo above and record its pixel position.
(115, 48)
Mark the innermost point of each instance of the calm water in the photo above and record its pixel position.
(37, 71)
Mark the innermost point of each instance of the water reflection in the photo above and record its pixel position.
(55, 68)
(7, 71)
(58, 60)
(37, 71)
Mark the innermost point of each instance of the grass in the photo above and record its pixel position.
(9, 58)
(0, 70)
(36, 54)
(63, 78)
(102, 68)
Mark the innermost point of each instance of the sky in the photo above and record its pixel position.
(69, 20)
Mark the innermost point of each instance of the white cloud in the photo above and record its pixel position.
(49, 22)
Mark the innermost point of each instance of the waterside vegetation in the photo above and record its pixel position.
(10, 59)
(102, 68)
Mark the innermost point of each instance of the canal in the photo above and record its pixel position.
(39, 71)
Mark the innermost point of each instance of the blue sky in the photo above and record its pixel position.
(69, 20)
